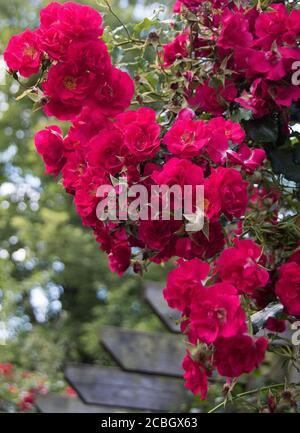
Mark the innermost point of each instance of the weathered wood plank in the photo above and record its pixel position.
(52, 403)
(145, 352)
(153, 295)
(110, 386)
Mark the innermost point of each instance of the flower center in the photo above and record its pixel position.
(29, 51)
(70, 83)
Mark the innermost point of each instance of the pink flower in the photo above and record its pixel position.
(62, 24)
(186, 138)
(86, 199)
(23, 53)
(201, 245)
(68, 87)
(6, 368)
(235, 31)
(239, 266)
(141, 133)
(70, 392)
(249, 159)
(195, 377)
(226, 191)
(106, 150)
(119, 257)
(158, 234)
(221, 133)
(275, 325)
(213, 100)
(179, 172)
(216, 312)
(183, 281)
(114, 92)
(270, 26)
(49, 144)
(239, 354)
(177, 49)
(288, 287)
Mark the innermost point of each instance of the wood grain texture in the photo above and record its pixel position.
(110, 386)
(145, 352)
(153, 295)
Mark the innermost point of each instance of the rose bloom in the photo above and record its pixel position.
(199, 245)
(158, 234)
(107, 150)
(213, 100)
(119, 257)
(195, 377)
(288, 287)
(186, 138)
(235, 31)
(239, 354)
(113, 92)
(141, 133)
(86, 199)
(49, 144)
(183, 281)
(68, 87)
(65, 23)
(179, 172)
(216, 312)
(226, 191)
(23, 53)
(177, 49)
(239, 266)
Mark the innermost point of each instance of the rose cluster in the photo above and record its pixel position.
(221, 273)
(256, 49)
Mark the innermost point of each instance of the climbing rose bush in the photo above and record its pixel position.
(209, 101)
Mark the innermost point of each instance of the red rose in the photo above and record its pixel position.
(141, 133)
(106, 150)
(23, 53)
(195, 377)
(187, 138)
(119, 257)
(183, 281)
(68, 88)
(226, 191)
(239, 354)
(213, 100)
(86, 199)
(239, 266)
(49, 144)
(65, 23)
(235, 31)
(177, 49)
(113, 92)
(216, 312)
(288, 287)
(179, 172)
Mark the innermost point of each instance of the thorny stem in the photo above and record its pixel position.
(246, 393)
(137, 41)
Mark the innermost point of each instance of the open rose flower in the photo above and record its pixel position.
(239, 266)
(288, 287)
(216, 312)
(23, 53)
(50, 145)
(239, 354)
